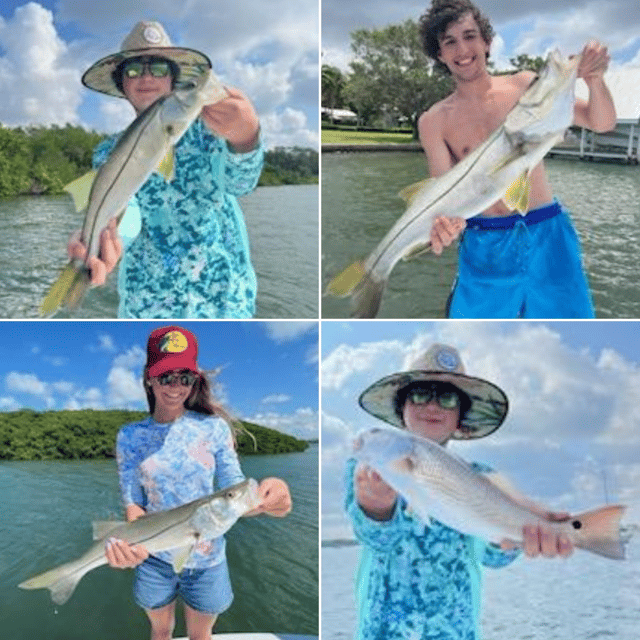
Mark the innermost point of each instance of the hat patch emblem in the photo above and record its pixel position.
(173, 342)
(447, 359)
(152, 35)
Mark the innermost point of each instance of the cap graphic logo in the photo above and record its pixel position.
(152, 35)
(447, 359)
(173, 342)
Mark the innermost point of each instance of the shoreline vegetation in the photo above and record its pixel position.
(38, 161)
(90, 434)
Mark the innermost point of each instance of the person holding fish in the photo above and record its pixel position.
(510, 265)
(186, 252)
(417, 578)
(177, 454)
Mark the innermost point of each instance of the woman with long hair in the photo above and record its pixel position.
(183, 450)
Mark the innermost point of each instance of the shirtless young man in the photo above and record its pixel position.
(509, 266)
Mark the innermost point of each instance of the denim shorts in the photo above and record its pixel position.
(207, 590)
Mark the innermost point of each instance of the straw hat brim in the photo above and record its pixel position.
(489, 404)
(192, 64)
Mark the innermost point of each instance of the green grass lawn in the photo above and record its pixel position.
(335, 136)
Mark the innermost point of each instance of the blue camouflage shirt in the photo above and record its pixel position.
(191, 258)
(418, 581)
(162, 466)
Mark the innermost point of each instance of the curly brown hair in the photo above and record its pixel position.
(435, 21)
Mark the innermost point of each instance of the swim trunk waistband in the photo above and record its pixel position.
(509, 222)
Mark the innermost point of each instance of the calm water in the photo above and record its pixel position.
(360, 203)
(47, 510)
(283, 231)
(582, 598)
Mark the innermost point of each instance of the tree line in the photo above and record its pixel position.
(390, 80)
(41, 160)
(91, 434)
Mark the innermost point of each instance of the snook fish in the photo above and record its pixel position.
(143, 146)
(497, 169)
(176, 529)
(437, 484)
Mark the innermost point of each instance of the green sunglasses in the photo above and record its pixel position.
(445, 398)
(186, 378)
(157, 67)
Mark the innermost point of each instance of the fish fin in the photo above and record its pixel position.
(517, 195)
(165, 168)
(598, 531)
(102, 528)
(213, 90)
(346, 281)
(409, 193)
(80, 189)
(68, 289)
(367, 297)
(60, 581)
(181, 556)
(420, 250)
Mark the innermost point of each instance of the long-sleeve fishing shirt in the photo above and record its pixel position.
(162, 466)
(418, 581)
(191, 258)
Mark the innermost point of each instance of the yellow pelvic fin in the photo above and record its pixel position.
(165, 168)
(418, 251)
(409, 193)
(517, 195)
(344, 283)
(80, 189)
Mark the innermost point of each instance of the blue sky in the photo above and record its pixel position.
(522, 26)
(269, 50)
(573, 388)
(269, 370)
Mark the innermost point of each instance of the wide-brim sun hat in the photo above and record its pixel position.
(441, 363)
(147, 38)
(171, 348)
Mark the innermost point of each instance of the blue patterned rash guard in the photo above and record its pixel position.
(417, 581)
(162, 466)
(190, 258)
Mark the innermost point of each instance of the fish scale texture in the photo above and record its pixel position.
(418, 581)
(162, 466)
(191, 258)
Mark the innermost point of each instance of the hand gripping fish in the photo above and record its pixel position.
(437, 484)
(497, 169)
(146, 145)
(176, 529)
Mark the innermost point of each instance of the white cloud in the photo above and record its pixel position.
(303, 423)
(105, 344)
(284, 331)
(124, 382)
(276, 398)
(27, 383)
(39, 82)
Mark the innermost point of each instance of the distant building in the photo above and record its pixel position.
(623, 143)
(339, 115)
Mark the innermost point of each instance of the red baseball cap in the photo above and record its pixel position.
(171, 348)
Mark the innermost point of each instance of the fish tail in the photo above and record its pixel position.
(60, 581)
(67, 289)
(599, 531)
(367, 297)
(346, 281)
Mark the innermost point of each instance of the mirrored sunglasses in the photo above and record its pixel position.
(445, 397)
(185, 378)
(157, 67)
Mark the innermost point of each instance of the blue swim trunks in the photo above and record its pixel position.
(521, 267)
